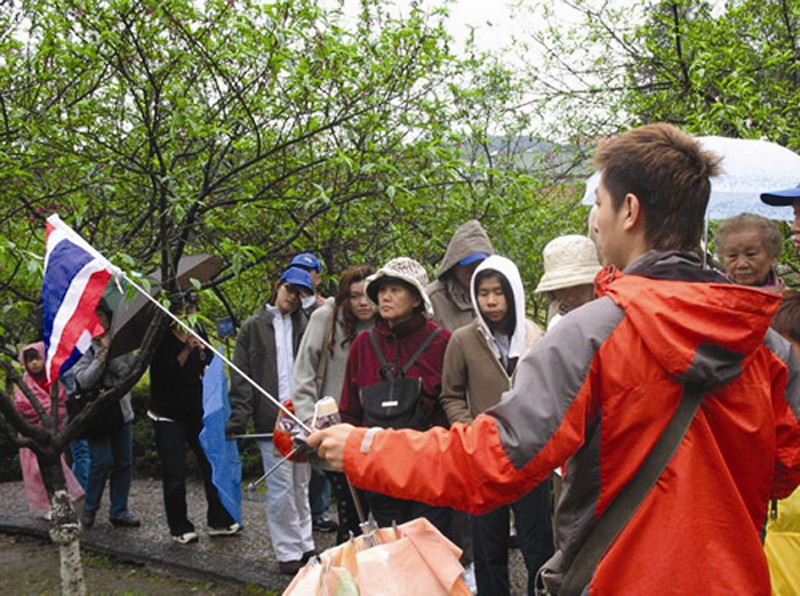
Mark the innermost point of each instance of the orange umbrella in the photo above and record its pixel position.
(414, 558)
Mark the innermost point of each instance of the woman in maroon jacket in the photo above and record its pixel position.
(405, 348)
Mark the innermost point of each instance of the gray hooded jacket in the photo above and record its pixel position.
(451, 303)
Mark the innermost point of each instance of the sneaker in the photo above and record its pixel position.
(186, 538)
(234, 528)
(87, 518)
(125, 520)
(322, 524)
(290, 567)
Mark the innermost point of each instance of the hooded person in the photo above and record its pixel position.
(449, 293)
(478, 368)
(31, 357)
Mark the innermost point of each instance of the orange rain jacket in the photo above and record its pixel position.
(596, 393)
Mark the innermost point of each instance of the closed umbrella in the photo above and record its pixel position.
(223, 455)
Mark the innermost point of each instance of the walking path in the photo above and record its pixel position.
(246, 557)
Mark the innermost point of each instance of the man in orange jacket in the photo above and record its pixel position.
(597, 392)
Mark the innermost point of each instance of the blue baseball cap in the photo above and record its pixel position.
(298, 277)
(781, 198)
(307, 261)
(473, 257)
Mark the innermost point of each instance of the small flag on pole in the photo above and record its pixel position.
(75, 277)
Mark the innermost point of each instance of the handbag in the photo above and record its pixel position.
(104, 420)
(396, 403)
(552, 578)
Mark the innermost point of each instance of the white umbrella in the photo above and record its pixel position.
(749, 167)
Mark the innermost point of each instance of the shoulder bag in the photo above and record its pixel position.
(552, 578)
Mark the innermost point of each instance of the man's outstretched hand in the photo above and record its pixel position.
(329, 443)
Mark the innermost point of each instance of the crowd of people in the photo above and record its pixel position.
(455, 401)
(671, 407)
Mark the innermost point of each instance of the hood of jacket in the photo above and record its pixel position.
(39, 347)
(509, 270)
(699, 331)
(468, 238)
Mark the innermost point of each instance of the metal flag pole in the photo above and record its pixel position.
(252, 486)
(253, 436)
(216, 352)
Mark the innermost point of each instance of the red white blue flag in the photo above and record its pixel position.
(75, 277)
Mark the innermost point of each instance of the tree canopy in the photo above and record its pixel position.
(252, 131)
(710, 67)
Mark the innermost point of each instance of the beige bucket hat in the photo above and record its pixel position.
(405, 269)
(568, 261)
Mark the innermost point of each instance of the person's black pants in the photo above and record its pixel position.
(532, 517)
(172, 438)
(387, 510)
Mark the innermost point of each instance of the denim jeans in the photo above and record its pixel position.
(81, 461)
(171, 441)
(532, 516)
(288, 511)
(111, 457)
(319, 494)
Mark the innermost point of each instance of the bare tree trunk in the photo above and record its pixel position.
(65, 529)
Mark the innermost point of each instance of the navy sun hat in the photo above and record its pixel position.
(781, 198)
(473, 257)
(307, 261)
(297, 276)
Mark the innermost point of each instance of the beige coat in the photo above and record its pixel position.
(473, 380)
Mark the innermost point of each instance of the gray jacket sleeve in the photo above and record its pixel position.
(241, 393)
(309, 355)
(89, 370)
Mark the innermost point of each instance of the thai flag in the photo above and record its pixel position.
(75, 277)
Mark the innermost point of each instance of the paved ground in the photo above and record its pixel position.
(246, 558)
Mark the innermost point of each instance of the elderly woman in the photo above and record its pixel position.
(393, 376)
(749, 246)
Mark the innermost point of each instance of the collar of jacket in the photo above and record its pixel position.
(404, 329)
(662, 265)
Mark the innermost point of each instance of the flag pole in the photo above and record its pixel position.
(216, 352)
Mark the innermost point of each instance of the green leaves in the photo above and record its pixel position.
(254, 132)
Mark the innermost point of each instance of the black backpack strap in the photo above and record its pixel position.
(423, 346)
(420, 350)
(628, 500)
(381, 357)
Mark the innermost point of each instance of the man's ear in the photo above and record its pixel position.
(632, 210)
